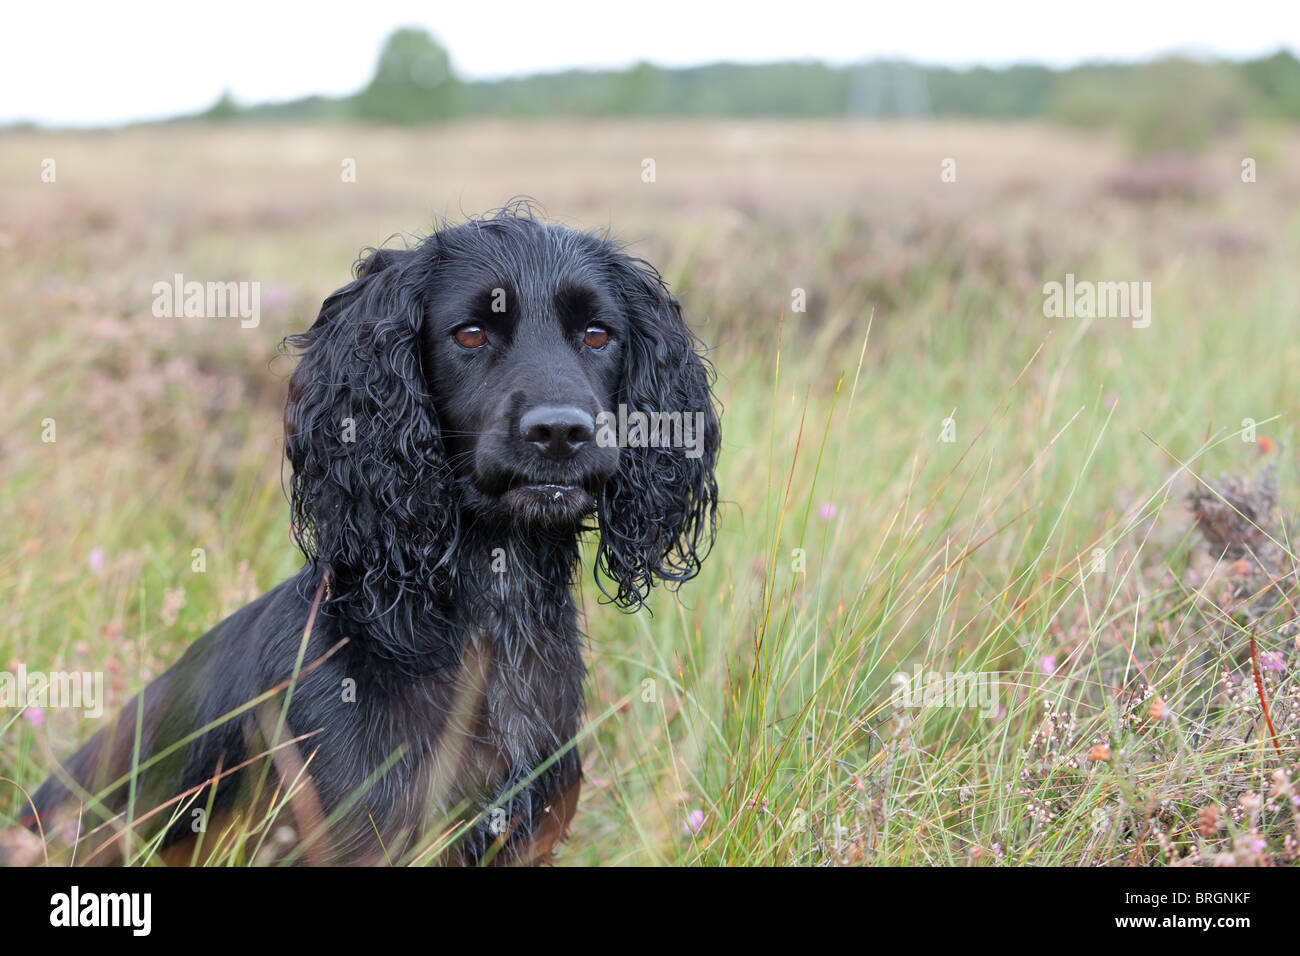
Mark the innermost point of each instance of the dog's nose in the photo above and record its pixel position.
(557, 431)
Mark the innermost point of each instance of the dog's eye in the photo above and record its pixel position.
(596, 337)
(470, 336)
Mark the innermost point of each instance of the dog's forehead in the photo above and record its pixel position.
(534, 259)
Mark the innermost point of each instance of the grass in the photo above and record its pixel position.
(1049, 546)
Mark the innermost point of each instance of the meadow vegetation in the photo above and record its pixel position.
(1106, 537)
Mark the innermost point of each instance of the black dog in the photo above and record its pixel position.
(450, 430)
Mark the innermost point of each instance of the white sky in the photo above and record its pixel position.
(94, 63)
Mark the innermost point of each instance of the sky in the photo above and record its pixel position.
(95, 63)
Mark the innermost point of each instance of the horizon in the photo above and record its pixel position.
(337, 59)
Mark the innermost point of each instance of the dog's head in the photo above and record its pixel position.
(511, 376)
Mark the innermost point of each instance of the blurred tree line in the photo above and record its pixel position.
(1171, 103)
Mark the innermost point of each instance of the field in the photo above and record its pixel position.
(1082, 523)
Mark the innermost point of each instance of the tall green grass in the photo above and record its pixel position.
(751, 718)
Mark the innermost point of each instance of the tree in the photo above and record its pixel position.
(413, 81)
(224, 108)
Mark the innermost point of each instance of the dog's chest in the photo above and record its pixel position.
(514, 700)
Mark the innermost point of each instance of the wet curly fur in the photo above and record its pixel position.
(442, 676)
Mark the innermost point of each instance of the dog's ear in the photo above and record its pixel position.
(369, 472)
(658, 514)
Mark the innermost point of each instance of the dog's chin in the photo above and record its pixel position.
(548, 504)
(529, 503)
